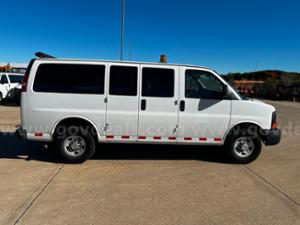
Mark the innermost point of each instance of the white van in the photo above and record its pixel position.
(78, 103)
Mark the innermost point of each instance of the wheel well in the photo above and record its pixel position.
(252, 128)
(78, 122)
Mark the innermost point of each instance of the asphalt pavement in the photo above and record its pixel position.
(150, 184)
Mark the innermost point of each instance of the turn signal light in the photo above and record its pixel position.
(274, 121)
(274, 125)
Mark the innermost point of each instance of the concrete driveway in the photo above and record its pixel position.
(150, 184)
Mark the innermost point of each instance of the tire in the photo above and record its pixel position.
(243, 148)
(75, 144)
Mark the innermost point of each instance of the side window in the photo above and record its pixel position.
(123, 80)
(158, 82)
(3, 79)
(203, 85)
(70, 78)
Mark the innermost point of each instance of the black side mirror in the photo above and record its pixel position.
(225, 91)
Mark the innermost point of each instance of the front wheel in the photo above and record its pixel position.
(243, 148)
(76, 145)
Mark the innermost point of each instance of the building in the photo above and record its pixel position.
(15, 67)
(248, 86)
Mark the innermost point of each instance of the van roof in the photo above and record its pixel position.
(116, 61)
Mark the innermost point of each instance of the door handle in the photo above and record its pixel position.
(143, 104)
(182, 106)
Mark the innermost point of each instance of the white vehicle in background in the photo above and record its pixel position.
(9, 85)
(78, 103)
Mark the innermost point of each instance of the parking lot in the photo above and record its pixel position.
(136, 184)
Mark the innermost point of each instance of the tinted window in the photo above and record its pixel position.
(70, 78)
(15, 79)
(4, 79)
(158, 82)
(123, 80)
(202, 84)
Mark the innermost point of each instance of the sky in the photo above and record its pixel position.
(226, 35)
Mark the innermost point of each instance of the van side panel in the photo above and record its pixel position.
(158, 111)
(203, 120)
(122, 103)
(45, 110)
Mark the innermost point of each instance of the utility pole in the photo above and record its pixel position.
(123, 30)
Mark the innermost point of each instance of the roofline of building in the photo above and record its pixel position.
(15, 65)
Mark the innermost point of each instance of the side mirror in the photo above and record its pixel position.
(225, 91)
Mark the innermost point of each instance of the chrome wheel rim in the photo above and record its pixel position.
(244, 147)
(74, 146)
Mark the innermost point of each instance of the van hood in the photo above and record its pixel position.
(256, 101)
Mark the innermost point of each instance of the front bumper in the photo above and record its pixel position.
(21, 133)
(271, 137)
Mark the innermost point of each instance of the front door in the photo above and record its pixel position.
(122, 103)
(204, 115)
(158, 113)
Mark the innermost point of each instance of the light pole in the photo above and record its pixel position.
(123, 30)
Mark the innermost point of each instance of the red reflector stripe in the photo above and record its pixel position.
(172, 138)
(142, 137)
(125, 137)
(188, 138)
(110, 137)
(202, 139)
(157, 138)
(38, 134)
(217, 139)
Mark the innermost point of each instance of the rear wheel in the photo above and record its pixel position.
(243, 148)
(75, 145)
